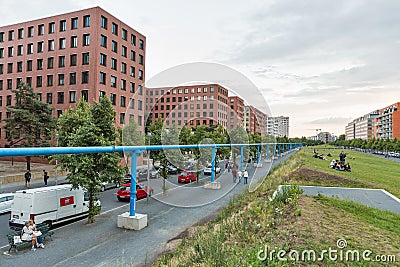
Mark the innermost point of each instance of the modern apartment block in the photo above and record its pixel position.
(362, 127)
(278, 126)
(236, 113)
(255, 120)
(387, 123)
(83, 54)
(191, 105)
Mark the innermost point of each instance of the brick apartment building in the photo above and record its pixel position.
(255, 120)
(387, 123)
(83, 54)
(236, 113)
(191, 105)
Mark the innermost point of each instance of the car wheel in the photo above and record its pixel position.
(119, 199)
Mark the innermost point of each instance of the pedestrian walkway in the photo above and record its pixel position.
(375, 198)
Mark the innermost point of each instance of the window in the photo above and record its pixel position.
(140, 104)
(29, 81)
(20, 50)
(74, 41)
(122, 118)
(39, 81)
(60, 97)
(131, 103)
(1, 37)
(52, 27)
(29, 65)
(62, 44)
(123, 84)
(140, 75)
(211, 97)
(51, 45)
(204, 97)
(40, 47)
(85, 95)
(1, 68)
(11, 35)
(86, 39)
(31, 31)
(30, 49)
(72, 96)
(63, 25)
(85, 58)
(114, 28)
(114, 46)
(74, 23)
(86, 21)
(21, 33)
(123, 67)
(102, 78)
(9, 84)
(11, 51)
(113, 81)
(41, 29)
(72, 78)
(103, 22)
(132, 71)
(49, 80)
(113, 98)
(59, 113)
(61, 61)
(19, 66)
(1, 52)
(141, 59)
(123, 101)
(49, 98)
(61, 79)
(39, 96)
(205, 90)
(132, 87)
(103, 59)
(211, 89)
(85, 77)
(73, 59)
(50, 62)
(113, 64)
(133, 39)
(192, 90)
(141, 44)
(186, 91)
(133, 55)
(9, 100)
(103, 41)
(102, 94)
(39, 64)
(124, 34)
(124, 51)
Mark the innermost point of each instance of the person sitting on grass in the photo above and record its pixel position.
(347, 167)
(339, 167)
(333, 164)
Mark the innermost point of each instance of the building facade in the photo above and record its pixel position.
(387, 123)
(236, 113)
(362, 127)
(278, 126)
(83, 54)
(191, 105)
(255, 121)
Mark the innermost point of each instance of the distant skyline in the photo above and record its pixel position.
(322, 63)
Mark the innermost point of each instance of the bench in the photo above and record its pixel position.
(42, 227)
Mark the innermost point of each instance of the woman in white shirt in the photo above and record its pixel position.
(27, 235)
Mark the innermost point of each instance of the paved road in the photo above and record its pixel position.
(103, 244)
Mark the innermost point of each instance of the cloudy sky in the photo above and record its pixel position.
(322, 63)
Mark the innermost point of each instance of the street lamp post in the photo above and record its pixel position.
(148, 168)
(57, 138)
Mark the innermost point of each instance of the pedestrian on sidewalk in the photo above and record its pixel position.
(234, 175)
(239, 174)
(45, 177)
(28, 177)
(245, 176)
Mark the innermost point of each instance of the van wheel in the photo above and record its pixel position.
(49, 224)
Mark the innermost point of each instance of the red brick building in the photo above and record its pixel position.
(236, 113)
(82, 54)
(255, 120)
(191, 105)
(387, 123)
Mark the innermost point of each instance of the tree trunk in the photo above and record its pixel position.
(28, 163)
(91, 206)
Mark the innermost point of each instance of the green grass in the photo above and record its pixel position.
(366, 169)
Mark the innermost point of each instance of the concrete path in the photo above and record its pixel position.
(375, 198)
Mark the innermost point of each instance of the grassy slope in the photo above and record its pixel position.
(252, 221)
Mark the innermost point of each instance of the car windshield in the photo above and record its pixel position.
(184, 173)
(124, 188)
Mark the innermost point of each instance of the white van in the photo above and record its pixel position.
(5, 202)
(50, 205)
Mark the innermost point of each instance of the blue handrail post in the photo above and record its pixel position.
(258, 153)
(275, 152)
(133, 185)
(241, 157)
(266, 151)
(213, 164)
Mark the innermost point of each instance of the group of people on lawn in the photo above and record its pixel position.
(339, 165)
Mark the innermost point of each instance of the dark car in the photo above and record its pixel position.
(171, 169)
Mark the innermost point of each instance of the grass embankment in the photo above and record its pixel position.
(253, 222)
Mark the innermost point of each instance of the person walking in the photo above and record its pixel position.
(28, 177)
(45, 177)
(234, 174)
(245, 176)
(239, 175)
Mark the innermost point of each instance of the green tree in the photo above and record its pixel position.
(84, 126)
(30, 123)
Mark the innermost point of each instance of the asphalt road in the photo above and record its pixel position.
(103, 244)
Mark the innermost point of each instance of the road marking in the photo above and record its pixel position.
(161, 213)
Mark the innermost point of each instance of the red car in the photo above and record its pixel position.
(124, 192)
(186, 177)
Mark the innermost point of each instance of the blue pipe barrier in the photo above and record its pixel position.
(258, 154)
(241, 157)
(132, 200)
(213, 164)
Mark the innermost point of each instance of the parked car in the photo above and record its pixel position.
(207, 170)
(171, 169)
(106, 185)
(142, 174)
(186, 177)
(6, 200)
(124, 192)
